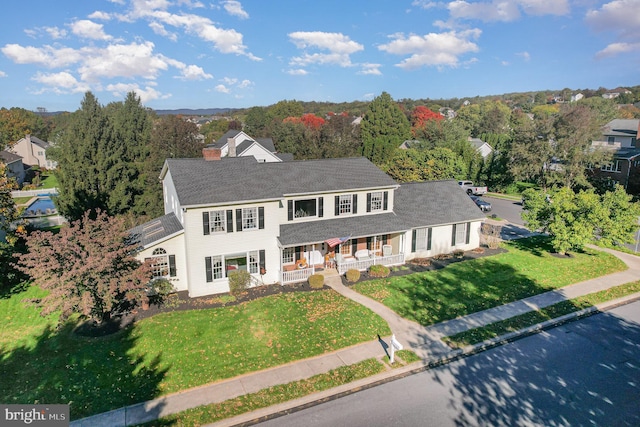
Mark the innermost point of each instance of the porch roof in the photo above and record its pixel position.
(309, 232)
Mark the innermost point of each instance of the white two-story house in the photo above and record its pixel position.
(281, 220)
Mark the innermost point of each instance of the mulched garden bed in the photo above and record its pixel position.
(419, 265)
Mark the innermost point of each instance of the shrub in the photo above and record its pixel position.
(316, 281)
(353, 275)
(238, 281)
(379, 271)
(458, 253)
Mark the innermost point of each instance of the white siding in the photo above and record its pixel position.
(261, 154)
(173, 246)
(171, 202)
(199, 246)
(441, 241)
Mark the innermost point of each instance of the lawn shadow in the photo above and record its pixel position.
(93, 375)
(584, 373)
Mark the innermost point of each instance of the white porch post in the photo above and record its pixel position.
(374, 249)
(313, 264)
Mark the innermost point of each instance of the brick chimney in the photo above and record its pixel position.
(211, 153)
(231, 145)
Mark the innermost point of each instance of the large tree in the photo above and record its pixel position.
(88, 268)
(383, 128)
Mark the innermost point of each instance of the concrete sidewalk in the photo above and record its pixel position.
(424, 341)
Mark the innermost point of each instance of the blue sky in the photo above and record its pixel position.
(229, 53)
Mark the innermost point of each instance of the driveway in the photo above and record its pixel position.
(510, 214)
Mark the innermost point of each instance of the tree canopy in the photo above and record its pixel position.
(383, 128)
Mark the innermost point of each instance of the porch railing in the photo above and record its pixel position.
(363, 265)
(294, 276)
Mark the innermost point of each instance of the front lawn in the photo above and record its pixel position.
(528, 268)
(171, 351)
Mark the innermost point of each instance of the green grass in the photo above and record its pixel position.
(21, 200)
(169, 352)
(477, 335)
(49, 181)
(527, 269)
(271, 396)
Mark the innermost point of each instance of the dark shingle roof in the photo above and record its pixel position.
(627, 153)
(237, 179)
(156, 229)
(303, 233)
(223, 139)
(8, 157)
(285, 157)
(267, 143)
(430, 203)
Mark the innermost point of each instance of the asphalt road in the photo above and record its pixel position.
(583, 373)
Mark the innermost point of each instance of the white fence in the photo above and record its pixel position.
(33, 193)
(294, 276)
(363, 265)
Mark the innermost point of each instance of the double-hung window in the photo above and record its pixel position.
(217, 221)
(160, 263)
(288, 255)
(460, 234)
(376, 201)
(249, 218)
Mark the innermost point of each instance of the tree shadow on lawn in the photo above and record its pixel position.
(93, 375)
(584, 373)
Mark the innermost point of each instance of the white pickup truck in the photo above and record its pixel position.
(469, 188)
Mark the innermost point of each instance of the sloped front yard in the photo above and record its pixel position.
(171, 351)
(527, 268)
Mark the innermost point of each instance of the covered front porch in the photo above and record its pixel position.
(378, 241)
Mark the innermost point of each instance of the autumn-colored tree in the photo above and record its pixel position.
(312, 121)
(88, 268)
(421, 115)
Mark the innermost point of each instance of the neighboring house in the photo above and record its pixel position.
(236, 143)
(33, 152)
(481, 147)
(615, 93)
(620, 136)
(15, 168)
(577, 97)
(279, 220)
(409, 143)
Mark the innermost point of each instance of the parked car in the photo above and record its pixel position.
(482, 204)
(470, 189)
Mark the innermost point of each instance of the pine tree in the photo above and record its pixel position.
(383, 128)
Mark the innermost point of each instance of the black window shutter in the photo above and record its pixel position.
(468, 233)
(413, 241)
(368, 202)
(229, 220)
(355, 204)
(205, 223)
(298, 250)
(290, 210)
(369, 240)
(385, 239)
(320, 207)
(429, 238)
(209, 270)
(239, 219)
(385, 201)
(263, 263)
(354, 246)
(261, 217)
(337, 205)
(172, 265)
(453, 235)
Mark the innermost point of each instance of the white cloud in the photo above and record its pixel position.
(62, 82)
(222, 88)
(506, 11)
(426, 4)
(524, 55)
(47, 56)
(340, 48)
(146, 94)
(89, 30)
(233, 7)
(618, 48)
(244, 84)
(98, 14)
(618, 17)
(3, 74)
(370, 69)
(55, 32)
(159, 29)
(443, 49)
(297, 72)
(368, 96)
(504, 63)
(193, 72)
(123, 60)
(30, 32)
(191, 4)
(229, 80)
